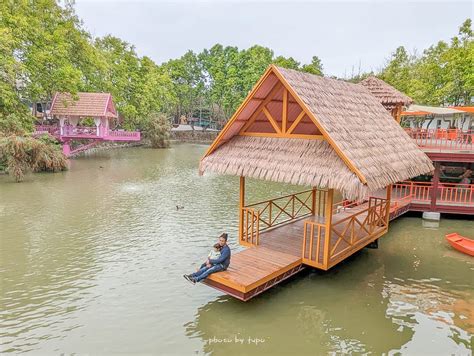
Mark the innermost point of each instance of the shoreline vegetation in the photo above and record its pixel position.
(46, 48)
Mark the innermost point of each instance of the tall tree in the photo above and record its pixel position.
(188, 88)
(315, 67)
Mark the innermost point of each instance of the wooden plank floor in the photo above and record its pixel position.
(255, 266)
(279, 251)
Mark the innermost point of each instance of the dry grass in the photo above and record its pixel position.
(23, 154)
(387, 95)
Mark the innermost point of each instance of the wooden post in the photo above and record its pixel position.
(241, 207)
(327, 228)
(388, 197)
(398, 113)
(313, 202)
(434, 187)
(284, 116)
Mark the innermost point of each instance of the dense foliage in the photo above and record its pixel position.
(158, 131)
(22, 154)
(442, 75)
(44, 48)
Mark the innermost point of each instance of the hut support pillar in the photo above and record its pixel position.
(327, 228)
(241, 207)
(434, 187)
(388, 197)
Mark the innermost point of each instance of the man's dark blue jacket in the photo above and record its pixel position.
(224, 258)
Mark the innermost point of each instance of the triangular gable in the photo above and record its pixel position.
(274, 109)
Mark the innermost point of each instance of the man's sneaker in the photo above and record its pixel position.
(189, 278)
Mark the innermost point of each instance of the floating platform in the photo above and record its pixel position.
(279, 254)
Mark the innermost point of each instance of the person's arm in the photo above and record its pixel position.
(224, 255)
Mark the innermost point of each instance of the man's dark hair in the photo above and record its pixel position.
(224, 236)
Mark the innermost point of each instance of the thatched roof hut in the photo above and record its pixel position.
(388, 96)
(304, 129)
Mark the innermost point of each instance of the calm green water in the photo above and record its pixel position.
(91, 262)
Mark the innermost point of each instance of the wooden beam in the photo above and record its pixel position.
(241, 206)
(333, 144)
(276, 101)
(328, 227)
(260, 106)
(219, 137)
(296, 122)
(276, 135)
(271, 119)
(284, 114)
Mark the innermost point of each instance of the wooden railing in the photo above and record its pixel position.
(447, 193)
(315, 250)
(420, 191)
(267, 214)
(345, 204)
(346, 233)
(251, 226)
(456, 193)
(442, 139)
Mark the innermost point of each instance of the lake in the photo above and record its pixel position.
(91, 261)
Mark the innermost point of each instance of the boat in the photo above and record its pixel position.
(461, 243)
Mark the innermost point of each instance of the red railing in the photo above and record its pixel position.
(447, 193)
(443, 139)
(456, 193)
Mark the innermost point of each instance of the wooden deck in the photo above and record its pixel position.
(279, 253)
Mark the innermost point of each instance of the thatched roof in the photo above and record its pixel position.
(387, 95)
(363, 148)
(84, 105)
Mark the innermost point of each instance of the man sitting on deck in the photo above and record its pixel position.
(212, 265)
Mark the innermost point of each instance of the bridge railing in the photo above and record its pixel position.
(80, 131)
(124, 134)
(443, 139)
(447, 193)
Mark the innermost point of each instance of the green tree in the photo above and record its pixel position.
(187, 84)
(289, 62)
(315, 67)
(398, 71)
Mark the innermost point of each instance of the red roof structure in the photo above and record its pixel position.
(83, 105)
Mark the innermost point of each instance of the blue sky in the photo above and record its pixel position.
(343, 34)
